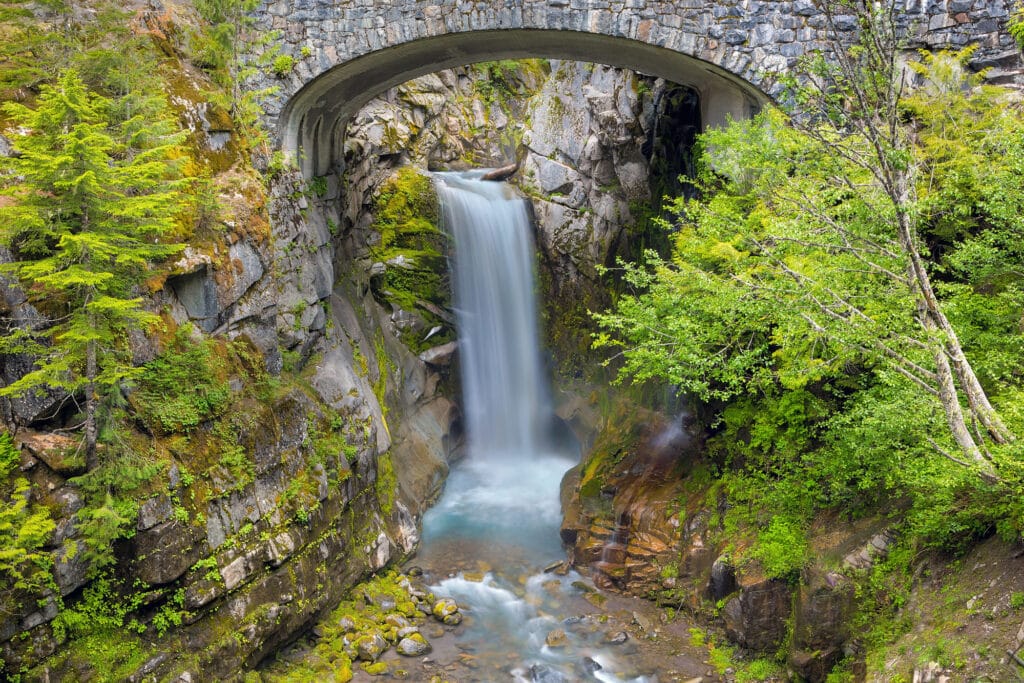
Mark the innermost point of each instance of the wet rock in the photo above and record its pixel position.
(540, 673)
(556, 638)
(166, 551)
(616, 638)
(415, 645)
(453, 619)
(440, 356)
(397, 621)
(643, 622)
(814, 666)
(70, 567)
(588, 666)
(929, 673)
(153, 511)
(756, 618)
(877, 548)
(369, 647)
(722, 581)
(824, 605)
(407, 631)
(443, 608)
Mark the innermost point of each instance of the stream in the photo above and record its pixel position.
(494, 531)
(486, 542)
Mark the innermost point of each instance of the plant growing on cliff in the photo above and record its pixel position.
(24, 530)
(234, 53)
(847, 291)
(87, 202)
(183, 386)
(1016, 27)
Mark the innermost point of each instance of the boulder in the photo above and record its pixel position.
(414, 645)
(756, 617)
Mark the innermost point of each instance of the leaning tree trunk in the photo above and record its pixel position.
(91, 461)
(975, 394)
(954, 413)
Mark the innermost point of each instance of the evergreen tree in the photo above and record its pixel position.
(89, 203)
(234, 53)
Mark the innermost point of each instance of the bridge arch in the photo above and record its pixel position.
(348, 51)
(312, 122)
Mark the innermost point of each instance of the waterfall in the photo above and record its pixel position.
(506, 399)
(499, 516)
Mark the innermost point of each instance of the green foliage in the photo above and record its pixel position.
(1016, 27)
(785, 307)
(101, 635)
(25, 528)
(283, 65)
(781, 548)
(88, 201)
(226, 46)
(1017, 600)
(37, 46)
(113, 491)
(759, 670)
(184, 386)
(171, 614)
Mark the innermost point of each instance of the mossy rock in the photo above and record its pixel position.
(377, 668)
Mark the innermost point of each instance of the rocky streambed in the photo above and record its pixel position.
(490, 596)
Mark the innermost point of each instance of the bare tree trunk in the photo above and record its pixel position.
(954, 414)
(975, 394)
(91, 461)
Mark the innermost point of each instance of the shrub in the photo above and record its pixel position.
(24, 529)
(282, 65)
(183, 386)
(781, 548)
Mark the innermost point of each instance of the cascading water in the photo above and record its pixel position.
(506, 400)
(498, 520)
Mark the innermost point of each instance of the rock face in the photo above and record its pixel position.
(615, 518)
(604, 145)
(640, 518)
(251, 555)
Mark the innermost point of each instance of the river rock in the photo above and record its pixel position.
(397, 621)
(556, 638)
(540, 673)
(370, 647)
(414, 645)
(616, 638)
(407, 631)
(445, 607)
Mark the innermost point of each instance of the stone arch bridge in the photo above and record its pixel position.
(348, 51)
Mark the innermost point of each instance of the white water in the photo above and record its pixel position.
(505, 395)
(500, 512)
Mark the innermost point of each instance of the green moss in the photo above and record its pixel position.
(407, 218)
(376, 669)
(387, 483)
(358, 617)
